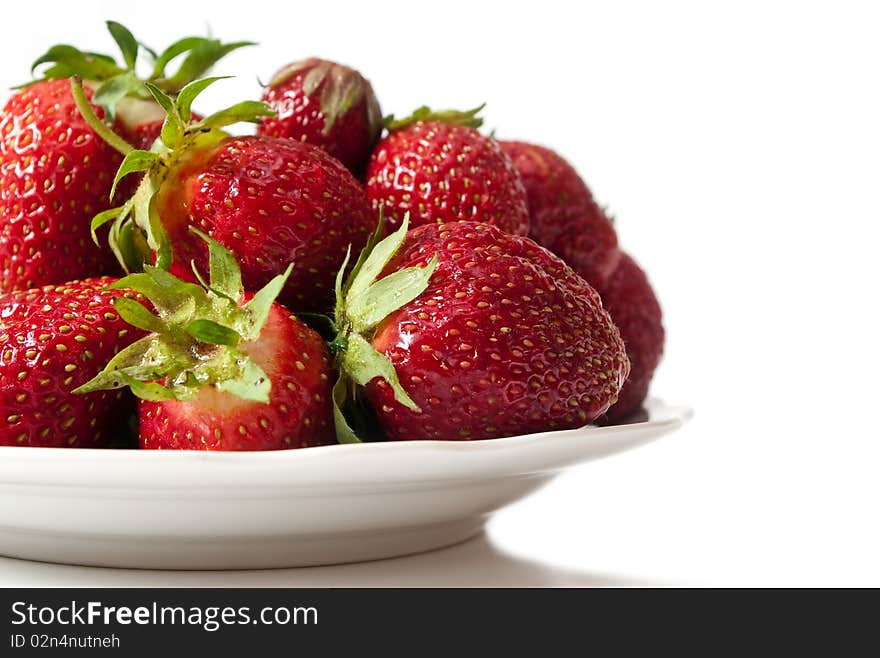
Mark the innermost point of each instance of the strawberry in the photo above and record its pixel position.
(221, 369)
(325, 104)
(439, 168)
(54, 339)
(271, 201)
(568, 221)
(564, 216)
(55, 172)
(550, 181)
(583, 237)
(472, 333)
(633, 306)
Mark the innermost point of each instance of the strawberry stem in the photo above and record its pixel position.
(85, 108)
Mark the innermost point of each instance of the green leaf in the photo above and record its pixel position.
(151, 54)
(158, 235)
(177, 300)
(340, 300)
(148, 359)
(137, 315)
(467, 118)
(374, 239)
(320, 322)
(387, 295)
(172, 131)
(316, 76)
(189, 93)
(165, 101)
(171, 283)
(128, 45)
(129, 357)
(376, 260)
(344, 432)
(173, 126)
(203, 54)
(253, 384)
(208, 331)
(148, 390)
(261, 303)
(363, 363)
(57, 53)
(111, 91)
(135, 161)
(115, 236)
(102, 218)
(171, 52)
(146, 190)
(174, 300)
(245, 111)
(340, 94)
(131, 246)
(199, 277)
(224, 271)
(69, 61)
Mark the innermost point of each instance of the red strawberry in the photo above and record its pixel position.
(54, 339)
(550, 181)
(438, 168)
(568, 221)
(271, 201)
(472, 333)
(56, 173)
(297, 415)
(221, 369)
(630, 300)
(564, 216)
(583, 237)
(325, 104)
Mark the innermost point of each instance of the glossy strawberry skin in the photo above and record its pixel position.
(440, 172)
(583, 237)
(550, 181)
(565, 217)
(53, 340)
(351, 136)
(55, 175)
(505, 340)
(630, 299)
(271, 202)
(298, 415)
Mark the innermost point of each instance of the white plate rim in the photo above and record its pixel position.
(347, 465)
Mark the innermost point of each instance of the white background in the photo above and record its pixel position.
(738, 145)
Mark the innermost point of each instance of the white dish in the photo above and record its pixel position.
(342, 503)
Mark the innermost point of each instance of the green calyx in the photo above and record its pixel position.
(467, 118)
(362, 303)
(136, 231)
(197, 333)
(120, 79)
(341, 88)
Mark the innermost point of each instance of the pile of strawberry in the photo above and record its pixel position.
(335, 277)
